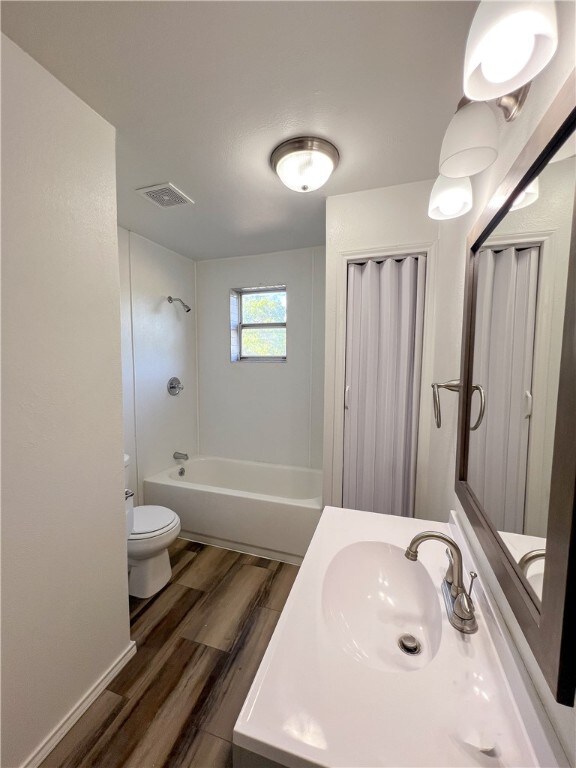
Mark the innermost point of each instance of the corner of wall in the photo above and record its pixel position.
(54, 147)
(197, 363)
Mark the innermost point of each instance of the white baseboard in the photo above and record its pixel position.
(44, 749)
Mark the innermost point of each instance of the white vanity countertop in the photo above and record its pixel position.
(316, 701)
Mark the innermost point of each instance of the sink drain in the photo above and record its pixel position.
(409, 644)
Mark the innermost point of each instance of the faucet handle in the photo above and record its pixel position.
(464, 605)
(473, 575)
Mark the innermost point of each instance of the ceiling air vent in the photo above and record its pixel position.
(165, 195)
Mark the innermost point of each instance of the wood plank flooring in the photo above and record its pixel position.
(200, 642)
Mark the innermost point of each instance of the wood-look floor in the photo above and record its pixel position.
(200, 641)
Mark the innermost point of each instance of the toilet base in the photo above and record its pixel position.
(146, 577)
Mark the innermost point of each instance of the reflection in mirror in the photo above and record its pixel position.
(520, 278)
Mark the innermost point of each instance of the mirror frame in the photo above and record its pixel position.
(549, 626)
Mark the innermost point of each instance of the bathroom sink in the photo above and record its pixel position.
(372, 598)
(334, 689)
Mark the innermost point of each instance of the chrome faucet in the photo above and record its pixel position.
(459, 605)
(180, 456)
(529, 557)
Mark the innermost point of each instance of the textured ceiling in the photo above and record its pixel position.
(201, 92)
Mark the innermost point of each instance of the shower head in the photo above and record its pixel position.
(171, 300)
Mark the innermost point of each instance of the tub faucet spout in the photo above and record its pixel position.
(180, 456)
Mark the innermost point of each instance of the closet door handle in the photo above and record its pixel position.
(346, 391)
(454, 386)
(436, 401)
(480, 390)
(527, 404)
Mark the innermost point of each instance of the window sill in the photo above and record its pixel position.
(259, 360)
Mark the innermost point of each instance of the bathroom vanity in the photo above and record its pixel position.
(336, 688)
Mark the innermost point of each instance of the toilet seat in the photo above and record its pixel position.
(151, 521)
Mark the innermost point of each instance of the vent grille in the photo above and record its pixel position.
(165, 195)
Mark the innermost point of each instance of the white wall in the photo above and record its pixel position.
(268, 412)
(64, 584)
(163, 337)
(378, 219)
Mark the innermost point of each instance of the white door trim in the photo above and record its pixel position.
(335, 355)
(549, 321)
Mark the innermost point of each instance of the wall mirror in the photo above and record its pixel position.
(517, 419)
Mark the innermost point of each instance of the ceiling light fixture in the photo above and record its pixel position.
(509, 43)
(304, 163)
(511, 104)
(471, 141)
(527, 196)
(450, 198)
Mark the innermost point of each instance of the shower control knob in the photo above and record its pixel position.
(175, 386)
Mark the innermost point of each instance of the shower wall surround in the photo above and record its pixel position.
(271, 412)
(268, 412)
(158, 342)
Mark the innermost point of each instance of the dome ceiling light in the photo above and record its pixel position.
(471, 141)
(450, 198)
(305, 163)
(509, 43)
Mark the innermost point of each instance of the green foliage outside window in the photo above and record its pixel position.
(269, 307)
(264, 342)
(259, 309)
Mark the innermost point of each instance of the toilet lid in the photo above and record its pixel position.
(150, 518)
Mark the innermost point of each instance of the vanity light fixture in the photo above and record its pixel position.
(304, 163)
(471, 140)
(527, 196)
(450, 198)
(509, 43)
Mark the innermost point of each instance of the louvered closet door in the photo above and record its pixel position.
(384, 319)
(503, 361)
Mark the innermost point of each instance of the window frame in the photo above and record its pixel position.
(239, 326)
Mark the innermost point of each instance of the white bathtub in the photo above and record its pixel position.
(264, 509)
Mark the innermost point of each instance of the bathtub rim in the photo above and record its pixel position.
(163, 478)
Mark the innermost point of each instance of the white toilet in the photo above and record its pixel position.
(151, 530)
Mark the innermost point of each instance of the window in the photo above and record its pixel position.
(258, 324)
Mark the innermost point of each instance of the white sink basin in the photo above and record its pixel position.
(334, 690)
(371, 596)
